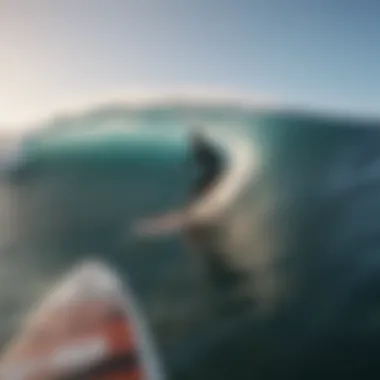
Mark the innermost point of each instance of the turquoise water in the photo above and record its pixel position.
(85, 180)
(75, 196)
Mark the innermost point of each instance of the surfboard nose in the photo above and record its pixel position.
(88, 324)
(91, 280)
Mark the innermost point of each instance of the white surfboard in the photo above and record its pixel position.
(89, 324)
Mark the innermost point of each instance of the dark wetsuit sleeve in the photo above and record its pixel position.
(209, 163)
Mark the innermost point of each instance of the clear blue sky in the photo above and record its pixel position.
(319, 53)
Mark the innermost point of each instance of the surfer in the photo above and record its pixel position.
(199, 233)
(209, 167)
(209, 163)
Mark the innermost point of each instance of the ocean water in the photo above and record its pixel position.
(80, 185)
(84, 180)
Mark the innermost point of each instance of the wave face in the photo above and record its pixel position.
(305, 236)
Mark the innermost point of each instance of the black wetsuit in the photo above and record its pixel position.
(209, 163)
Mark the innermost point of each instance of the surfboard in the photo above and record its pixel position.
(89, 327)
